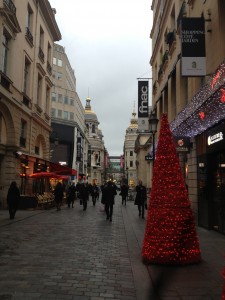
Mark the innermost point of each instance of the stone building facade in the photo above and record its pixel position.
(28, 30)
(194, 104)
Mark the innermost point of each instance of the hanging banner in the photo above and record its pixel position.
(193, 61)
(78, 149)
(143, 106)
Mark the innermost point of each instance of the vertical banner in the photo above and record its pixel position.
(143, 106)
(193, 61)
(78, 149)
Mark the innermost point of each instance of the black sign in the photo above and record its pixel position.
(78, 149)
(216, 138)
(182, 144)
(148, 157)
(142, 99)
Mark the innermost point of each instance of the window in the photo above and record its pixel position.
(71, 116)
(23, 128)
(53, 96)
(53, 112)
(65, 115)
(29, 25)
(39, 90)
(59, 113)
(71, 101)
(131, 163)
(26, 79)
(131, 153)
(47, 99)
(59, 63)
(60, 98)
(54, 60)
(59, 76)
(93, 128)
(66, 100)
(5, 51)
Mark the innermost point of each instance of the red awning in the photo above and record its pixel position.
(62, 170)
(44, 175)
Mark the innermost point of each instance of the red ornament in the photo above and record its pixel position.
(170, 234)
(222, 99)
(202, 115)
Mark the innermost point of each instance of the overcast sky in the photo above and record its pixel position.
(108, 45)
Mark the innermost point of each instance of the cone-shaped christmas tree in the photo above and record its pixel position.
(170, 235)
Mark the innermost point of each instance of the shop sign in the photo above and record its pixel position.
(182, 144)
(193, 61)
(215, 138)
(143, 105)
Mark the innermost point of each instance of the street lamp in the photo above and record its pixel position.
(153, 122)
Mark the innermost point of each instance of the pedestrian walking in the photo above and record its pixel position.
(109, 195)
(71, 195)
(94, 193)
(13, 199)
(58, 193)
(124, 193)
(141, 198)
(84, 194)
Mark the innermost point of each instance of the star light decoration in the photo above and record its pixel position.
(170, 235)
(208, 102)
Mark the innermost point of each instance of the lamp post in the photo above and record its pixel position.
(153, 122)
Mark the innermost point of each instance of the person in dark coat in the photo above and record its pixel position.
(13, 199)
(84, 194)
(124, 193)
(141, 198)
(71, 194)
(58, 193)
(109, 195)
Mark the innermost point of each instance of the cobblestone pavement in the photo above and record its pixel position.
(76, 254)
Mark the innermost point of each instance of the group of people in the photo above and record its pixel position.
(82, 191)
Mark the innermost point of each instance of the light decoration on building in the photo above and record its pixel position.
(210, 101)
(170, 234)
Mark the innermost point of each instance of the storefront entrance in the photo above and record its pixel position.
(211, 191)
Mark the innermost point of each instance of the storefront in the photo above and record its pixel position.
(203, 121)
(211, 178)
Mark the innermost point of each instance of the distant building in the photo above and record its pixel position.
(68, 116)
(130, 162)
(96, 150)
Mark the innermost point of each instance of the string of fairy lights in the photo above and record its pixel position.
(206, 109)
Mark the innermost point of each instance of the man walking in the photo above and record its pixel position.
(109, 195)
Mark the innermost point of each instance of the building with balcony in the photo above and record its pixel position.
(189, 86)
(28, 32)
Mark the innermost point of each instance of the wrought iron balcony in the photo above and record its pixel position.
(29, 36)
(10, 6)
(41, 54)
(49, 68)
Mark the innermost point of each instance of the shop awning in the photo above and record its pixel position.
(44, 175)
(62, 170)
(206, 109)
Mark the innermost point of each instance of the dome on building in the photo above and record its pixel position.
(89, 115)
(133, 123)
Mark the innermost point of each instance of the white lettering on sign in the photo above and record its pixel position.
(144, 100)
(215, 138)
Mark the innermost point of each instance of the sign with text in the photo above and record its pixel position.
(193, 61)
(182, 144)
(216, 138)
(143, 105)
